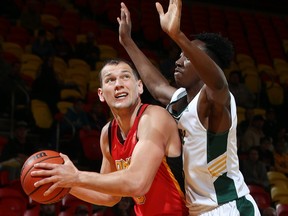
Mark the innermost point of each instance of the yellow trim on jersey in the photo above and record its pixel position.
(175, 182)
(218, 166)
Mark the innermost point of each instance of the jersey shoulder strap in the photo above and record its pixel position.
(139, 112)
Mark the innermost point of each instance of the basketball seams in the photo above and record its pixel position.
(59, 198)
(52, 198)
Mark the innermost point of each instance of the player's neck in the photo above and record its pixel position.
(126, 121)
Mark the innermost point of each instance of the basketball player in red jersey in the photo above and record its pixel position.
(141, 152)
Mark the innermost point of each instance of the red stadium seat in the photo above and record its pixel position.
(33, 211)
(282, 209)
(52, 8)
(88, 25)
(90, 141)
(4, 26)
(12, 201)
(4, 177)
(70, 21)
(3, 142)
(70, 203)
(262, 197)
(19, 35)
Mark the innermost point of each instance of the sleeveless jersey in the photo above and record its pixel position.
(165, 196)
(211, 166)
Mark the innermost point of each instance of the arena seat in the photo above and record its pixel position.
(282, 209)
(12, 202)
(13, 48)
(70, 203)
(279, 194)
(19, 35)
(30, 69)
(63, 106)
(78, 63)
(49, 21)
(107, 52)
(262, 197)
(275, 176)
(41, 114)
(70, 94)
(275, 93)
(4, 178)
(31, 58)
(5, 24)
(89, 25)
(90, 141)
(52, 8)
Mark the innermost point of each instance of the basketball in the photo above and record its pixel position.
(27, 181)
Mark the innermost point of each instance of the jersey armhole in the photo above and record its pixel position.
(109, 136)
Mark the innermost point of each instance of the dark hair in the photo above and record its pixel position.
(220, 49)
(117, 61)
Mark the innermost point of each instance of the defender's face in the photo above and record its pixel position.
(185, 73)
(120, 88)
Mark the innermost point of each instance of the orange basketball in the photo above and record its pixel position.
(27, 181)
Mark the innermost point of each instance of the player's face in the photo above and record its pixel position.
(185, 73)
(120, 88)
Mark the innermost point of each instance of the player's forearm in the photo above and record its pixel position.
(94, 197)
(149, 74)
(120, 183)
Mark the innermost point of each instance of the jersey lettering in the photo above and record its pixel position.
(124, 164)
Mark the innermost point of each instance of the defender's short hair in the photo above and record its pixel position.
(219, 48)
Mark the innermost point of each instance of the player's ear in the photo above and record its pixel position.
(140, 87)
(100, 95)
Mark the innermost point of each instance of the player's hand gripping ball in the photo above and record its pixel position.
(27, 181)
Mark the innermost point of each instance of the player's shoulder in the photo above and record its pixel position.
(156, 109)
(105, 127)
(157, 112)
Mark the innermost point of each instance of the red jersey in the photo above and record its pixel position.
(165, 196)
